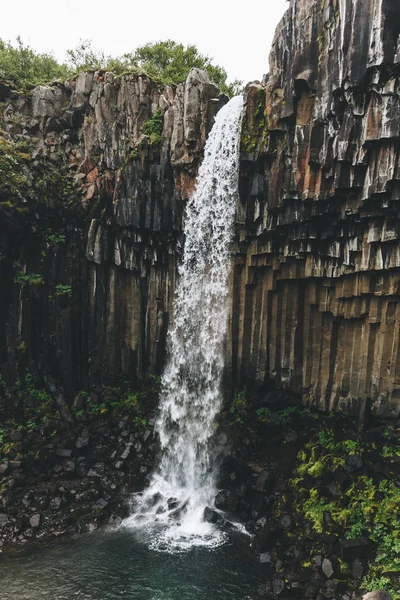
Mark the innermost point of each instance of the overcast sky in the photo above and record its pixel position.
(237, 35)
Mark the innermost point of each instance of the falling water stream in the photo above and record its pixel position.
(183, 485)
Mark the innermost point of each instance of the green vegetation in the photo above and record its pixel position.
(255, 132)
(153, 128)
(28, 279)
(22, 67)
(164, 61)
(14, 182)
(63, 290)
(364, 505)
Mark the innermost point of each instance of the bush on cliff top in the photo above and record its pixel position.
(22, 67)
(165, 61)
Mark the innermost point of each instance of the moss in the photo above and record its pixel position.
(255, 134)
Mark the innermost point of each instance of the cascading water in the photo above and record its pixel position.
(184, 483)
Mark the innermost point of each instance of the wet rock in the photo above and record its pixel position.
(357, 569)
(327, 567)
(355, 548)
(262, 480)
(286, 522)
(221, 499)
(222, 439)
(35, 521)
(83, 439)
(354, 462)
(265, 589)
(377, 595)
(55, 503)
(69, 466)
(64, 452)
(3, 520)
(212, 516)
(265, 557)
(278, 585)
(114, 521)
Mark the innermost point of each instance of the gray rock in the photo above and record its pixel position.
(262, 481)
(64, 452)
(3, 520)
(357, 569)
(278, 585)
(286, 522)
(15, 436)
(100, 504)
(55, 503)
(377, 595)
(290, 436)
(93, 473)
(265, 557)
(222, 439)
(83, 439)
(264, 589)
(354, 462)
(114, 521)
(3, 468)
(69, 466)
(35, 521)
(327, 567)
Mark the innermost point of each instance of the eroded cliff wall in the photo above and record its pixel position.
(91, 228)
(91, 221)
(317, 268)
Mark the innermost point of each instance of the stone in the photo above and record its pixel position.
(290, 436)
(15, 436)
(355, 548)
(327, 567)
(69, 466)
(3, 520)
(83, 439)
(265, 557)
(357, 569)
(63, 452)
(55, 503)
(3, 468)
(114, 521)
(354, 462)
(35, 521)
(377, 595)
(222, 439)
(262, 480)
(286, 522)
(278, 585)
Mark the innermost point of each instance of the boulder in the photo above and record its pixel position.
(35, 521)
(377, 595)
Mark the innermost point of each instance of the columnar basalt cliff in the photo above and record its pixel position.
(91, 223)
(91, 234)
(316, 285)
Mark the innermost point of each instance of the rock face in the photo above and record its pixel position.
(88, 292)
(317, 265)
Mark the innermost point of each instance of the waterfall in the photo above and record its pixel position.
(184, 483)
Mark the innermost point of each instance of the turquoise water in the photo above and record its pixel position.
(119, 564)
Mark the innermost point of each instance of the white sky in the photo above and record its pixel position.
(236, 35)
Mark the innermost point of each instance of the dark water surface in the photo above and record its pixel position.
(115, 565)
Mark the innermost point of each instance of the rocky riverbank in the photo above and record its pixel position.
(320, 496)
(70, 470)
